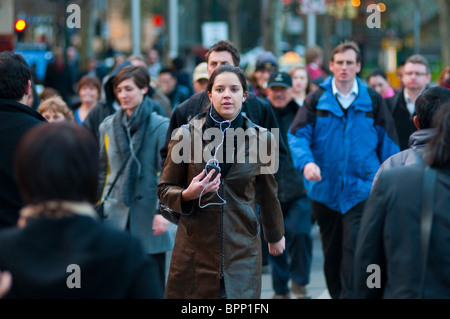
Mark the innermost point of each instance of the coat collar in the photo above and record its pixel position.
(328, 102)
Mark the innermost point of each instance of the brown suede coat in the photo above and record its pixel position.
(219, 240)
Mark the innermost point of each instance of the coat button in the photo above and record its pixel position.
(139, 197)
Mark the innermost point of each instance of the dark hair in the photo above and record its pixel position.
(225, 46)
(14, 76)
(91, 81)
(428, 103)
(167, 70)
(227, 68)
(439, 146)
(139, 74)
(377, 72)
(349, 45)
(57, 161)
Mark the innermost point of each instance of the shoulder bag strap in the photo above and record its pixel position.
(426, 219)
(115, 180)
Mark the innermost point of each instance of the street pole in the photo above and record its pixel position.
(416, 27)
(173, 29)
(312, 30)
(136, 25)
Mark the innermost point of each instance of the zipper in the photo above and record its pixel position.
(221, 233)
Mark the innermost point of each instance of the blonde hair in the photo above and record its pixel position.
(57, 104)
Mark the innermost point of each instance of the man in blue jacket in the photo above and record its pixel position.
(338, 140)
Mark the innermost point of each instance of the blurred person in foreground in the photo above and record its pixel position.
(15, 119)
(59, 249)
(391, 236)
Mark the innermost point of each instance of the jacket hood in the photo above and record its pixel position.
(108, 86)
(421, 137)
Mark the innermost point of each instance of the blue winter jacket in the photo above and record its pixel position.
(348, 149)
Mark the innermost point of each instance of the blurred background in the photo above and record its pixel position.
(102, 30)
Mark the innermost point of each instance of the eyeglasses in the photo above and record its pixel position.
(415, 73)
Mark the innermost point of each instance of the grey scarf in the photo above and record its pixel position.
(129, 133)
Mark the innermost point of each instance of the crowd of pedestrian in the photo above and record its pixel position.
(153, 146)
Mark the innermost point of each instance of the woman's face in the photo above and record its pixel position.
(88, 94)
(53, 116)
(379, 84)
(299, 80)
(130, 96)
(227, 95)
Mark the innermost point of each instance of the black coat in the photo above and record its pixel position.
(15, 120)
(390, 237)
(112, 264)
(402, 118)
(289, 179)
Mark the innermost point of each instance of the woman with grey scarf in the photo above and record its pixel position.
(130, 141)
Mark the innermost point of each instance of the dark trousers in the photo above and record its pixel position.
(339, 233)
(295, 262)
(158, 262)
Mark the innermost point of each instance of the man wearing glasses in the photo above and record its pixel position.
(416, 77)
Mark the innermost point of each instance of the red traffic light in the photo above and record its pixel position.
(158, 20)
(20, 25)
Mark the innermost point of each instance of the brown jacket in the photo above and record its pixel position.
(219, 240)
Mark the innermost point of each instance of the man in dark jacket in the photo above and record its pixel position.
(295, 263)
(15, 119)
(416, 77)
(427, 104)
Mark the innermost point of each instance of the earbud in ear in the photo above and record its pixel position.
(243, 99)
(143, 91)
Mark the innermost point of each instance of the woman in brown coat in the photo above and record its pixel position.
(217, 251)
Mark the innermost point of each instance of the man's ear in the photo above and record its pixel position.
(416, 122)
(28, 89)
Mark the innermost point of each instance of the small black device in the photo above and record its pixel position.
(210, 167)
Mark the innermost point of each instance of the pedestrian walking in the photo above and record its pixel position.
(427, 104)
(301, 85)
(295, 263)
(403, 242)
(108, 104)
(89, 91)
(378, 80)
(255, 108)
(338, 139)
(217, 251)
(130, 167)
(415, 77)
(54, 109)
(59, 249)
(15, 119)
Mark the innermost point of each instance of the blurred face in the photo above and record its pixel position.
(129, 95)
(415, 77)
(218, 58)
(379, 84)
(345, 67)
(227, 95)
(52, 116)
(200, 85)
(279, 96)
(262, 77)
(88, 94)
(299, 81)
(166, 83)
